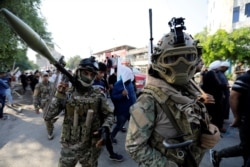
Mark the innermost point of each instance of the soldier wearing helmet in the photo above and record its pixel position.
(87, 119)
(169, 124)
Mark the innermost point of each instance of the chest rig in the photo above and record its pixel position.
(44, 93)
(76, 127)
(189, 120)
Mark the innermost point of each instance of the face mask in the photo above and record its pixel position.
(177, 66)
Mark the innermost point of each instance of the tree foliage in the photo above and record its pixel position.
(222, 45)
(73, 62)
(12, 48)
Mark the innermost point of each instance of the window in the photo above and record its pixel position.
(236, 14)
(247, 9)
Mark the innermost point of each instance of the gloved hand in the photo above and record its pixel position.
(62, 87)
(209, 140)
(104, 133)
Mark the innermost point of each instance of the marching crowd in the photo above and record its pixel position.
(173, 121)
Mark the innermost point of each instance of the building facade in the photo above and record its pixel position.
(228, 15)
(44, 63)
(137, 57)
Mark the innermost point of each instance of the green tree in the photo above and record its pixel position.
(223, 45)
(12, 48)
(202, 36)
(73, 62)
(217, 46)
(241, 50)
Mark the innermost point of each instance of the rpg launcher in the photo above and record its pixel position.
(34, 41)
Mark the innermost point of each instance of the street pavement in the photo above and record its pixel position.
(24, 143)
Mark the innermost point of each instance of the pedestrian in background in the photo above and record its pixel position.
(240, 105)
(99, 85)
(3, 87)
(24, 81)
(41, 96)
(34, 79)
(7, 79)
(226, 88)
(213, 85)
(99, 82)
(111, 81)
(239, 70)
(124, 96)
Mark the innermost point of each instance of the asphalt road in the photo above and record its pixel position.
(24, 143)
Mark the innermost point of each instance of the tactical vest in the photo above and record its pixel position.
(190, 131)
(81, 133)
(44, 93)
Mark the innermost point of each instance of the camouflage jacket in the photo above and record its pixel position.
(76, 108)
(149, 125)
(42, 94)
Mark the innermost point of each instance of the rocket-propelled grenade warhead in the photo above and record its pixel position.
(33, 40)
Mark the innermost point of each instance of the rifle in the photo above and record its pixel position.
(34, 41)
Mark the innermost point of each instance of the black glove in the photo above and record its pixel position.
(104, 132)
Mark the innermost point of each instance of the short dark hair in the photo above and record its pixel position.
(102, 66)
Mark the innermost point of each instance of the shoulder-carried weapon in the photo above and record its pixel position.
(34, 41)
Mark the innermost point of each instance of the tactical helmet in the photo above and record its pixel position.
(87, 64)
(175, 57)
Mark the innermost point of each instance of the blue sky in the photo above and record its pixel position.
(79, 26)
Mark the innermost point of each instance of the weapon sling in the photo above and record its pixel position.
(174, 123)
(180, 133)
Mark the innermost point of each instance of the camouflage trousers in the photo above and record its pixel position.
(49, 127)
(86, 155)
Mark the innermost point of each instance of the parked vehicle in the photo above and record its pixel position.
(140, 79)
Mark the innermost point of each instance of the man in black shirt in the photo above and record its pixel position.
(239, 103)
(34, 80)
(24, 81)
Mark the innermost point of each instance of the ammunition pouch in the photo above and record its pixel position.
(80, 132)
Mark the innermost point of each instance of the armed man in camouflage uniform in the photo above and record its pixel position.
(169, 125)
(41, 96)
(87, 119)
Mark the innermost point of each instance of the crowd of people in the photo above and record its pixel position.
(173, 122)
(236, 98)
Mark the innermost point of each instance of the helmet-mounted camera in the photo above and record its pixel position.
(177, 26)
(89, 64)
